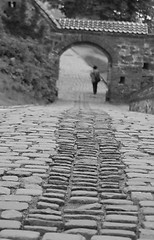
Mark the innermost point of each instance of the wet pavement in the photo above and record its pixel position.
(76, 169)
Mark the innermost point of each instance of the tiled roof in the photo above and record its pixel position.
(94, 25)
(103, 26)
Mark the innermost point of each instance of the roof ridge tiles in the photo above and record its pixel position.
(104, 26)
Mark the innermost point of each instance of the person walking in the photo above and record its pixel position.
(95, 78)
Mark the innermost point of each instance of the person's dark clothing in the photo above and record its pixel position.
(94, 87)
(95, 78)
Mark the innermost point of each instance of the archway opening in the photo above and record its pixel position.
(76, 63)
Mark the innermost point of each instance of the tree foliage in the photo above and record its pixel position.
(24, 22)
(119, 10)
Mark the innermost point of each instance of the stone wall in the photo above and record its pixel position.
(134, 67)
(143, 101)
(131, 58)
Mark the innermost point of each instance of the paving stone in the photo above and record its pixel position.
(45, 211)
(81, 224)
(112, 195)
(119, 232)
(2, 171)
(10, 178)
(60, 175)
(4, 224)
(18, 198)
(4, 159)
(98, 237)
(117, 202)
(4, 190)
(148, 225)
(55, 186)
(80, 216)
(52, 200)
(86, 165)
(110, 190)
(146, 203)
(11, 214)
(41, 175)
(84, 176)
(84, 193)
(31, 192)
(86, 232)
(42, 222)
(122, 226)
(146, 238)
(9, 165)
(141, 196)
(121, 218)
(85, 173)
(19, 173)
(35, 155)
(62, 171)
(32, 186)
(53, 195)
(111, 177)
(93, 206)
(62, 236)
(128, 208)
(32, 179)
(9, 184)
(82, 200)
(146, 233)
(149, 218)
(135, 170)
(135, 183)
(109, 169)
(141, 189)
(148, 210)
(41, 229)
(135, 175)
(84, 188)
(34, 166)
(20, 234)
(84, 212)
(8, 205)
(31, 170)
(30, 162)
(44, 205)
(4, 238)
(87, 181)
(46, 217)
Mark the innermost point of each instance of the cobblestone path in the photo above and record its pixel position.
(76, 170)
(81, 173)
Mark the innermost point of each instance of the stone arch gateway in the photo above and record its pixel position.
(86, 39)
(70, 41)
(126, 54)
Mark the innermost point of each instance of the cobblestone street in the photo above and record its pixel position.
(78, 169)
